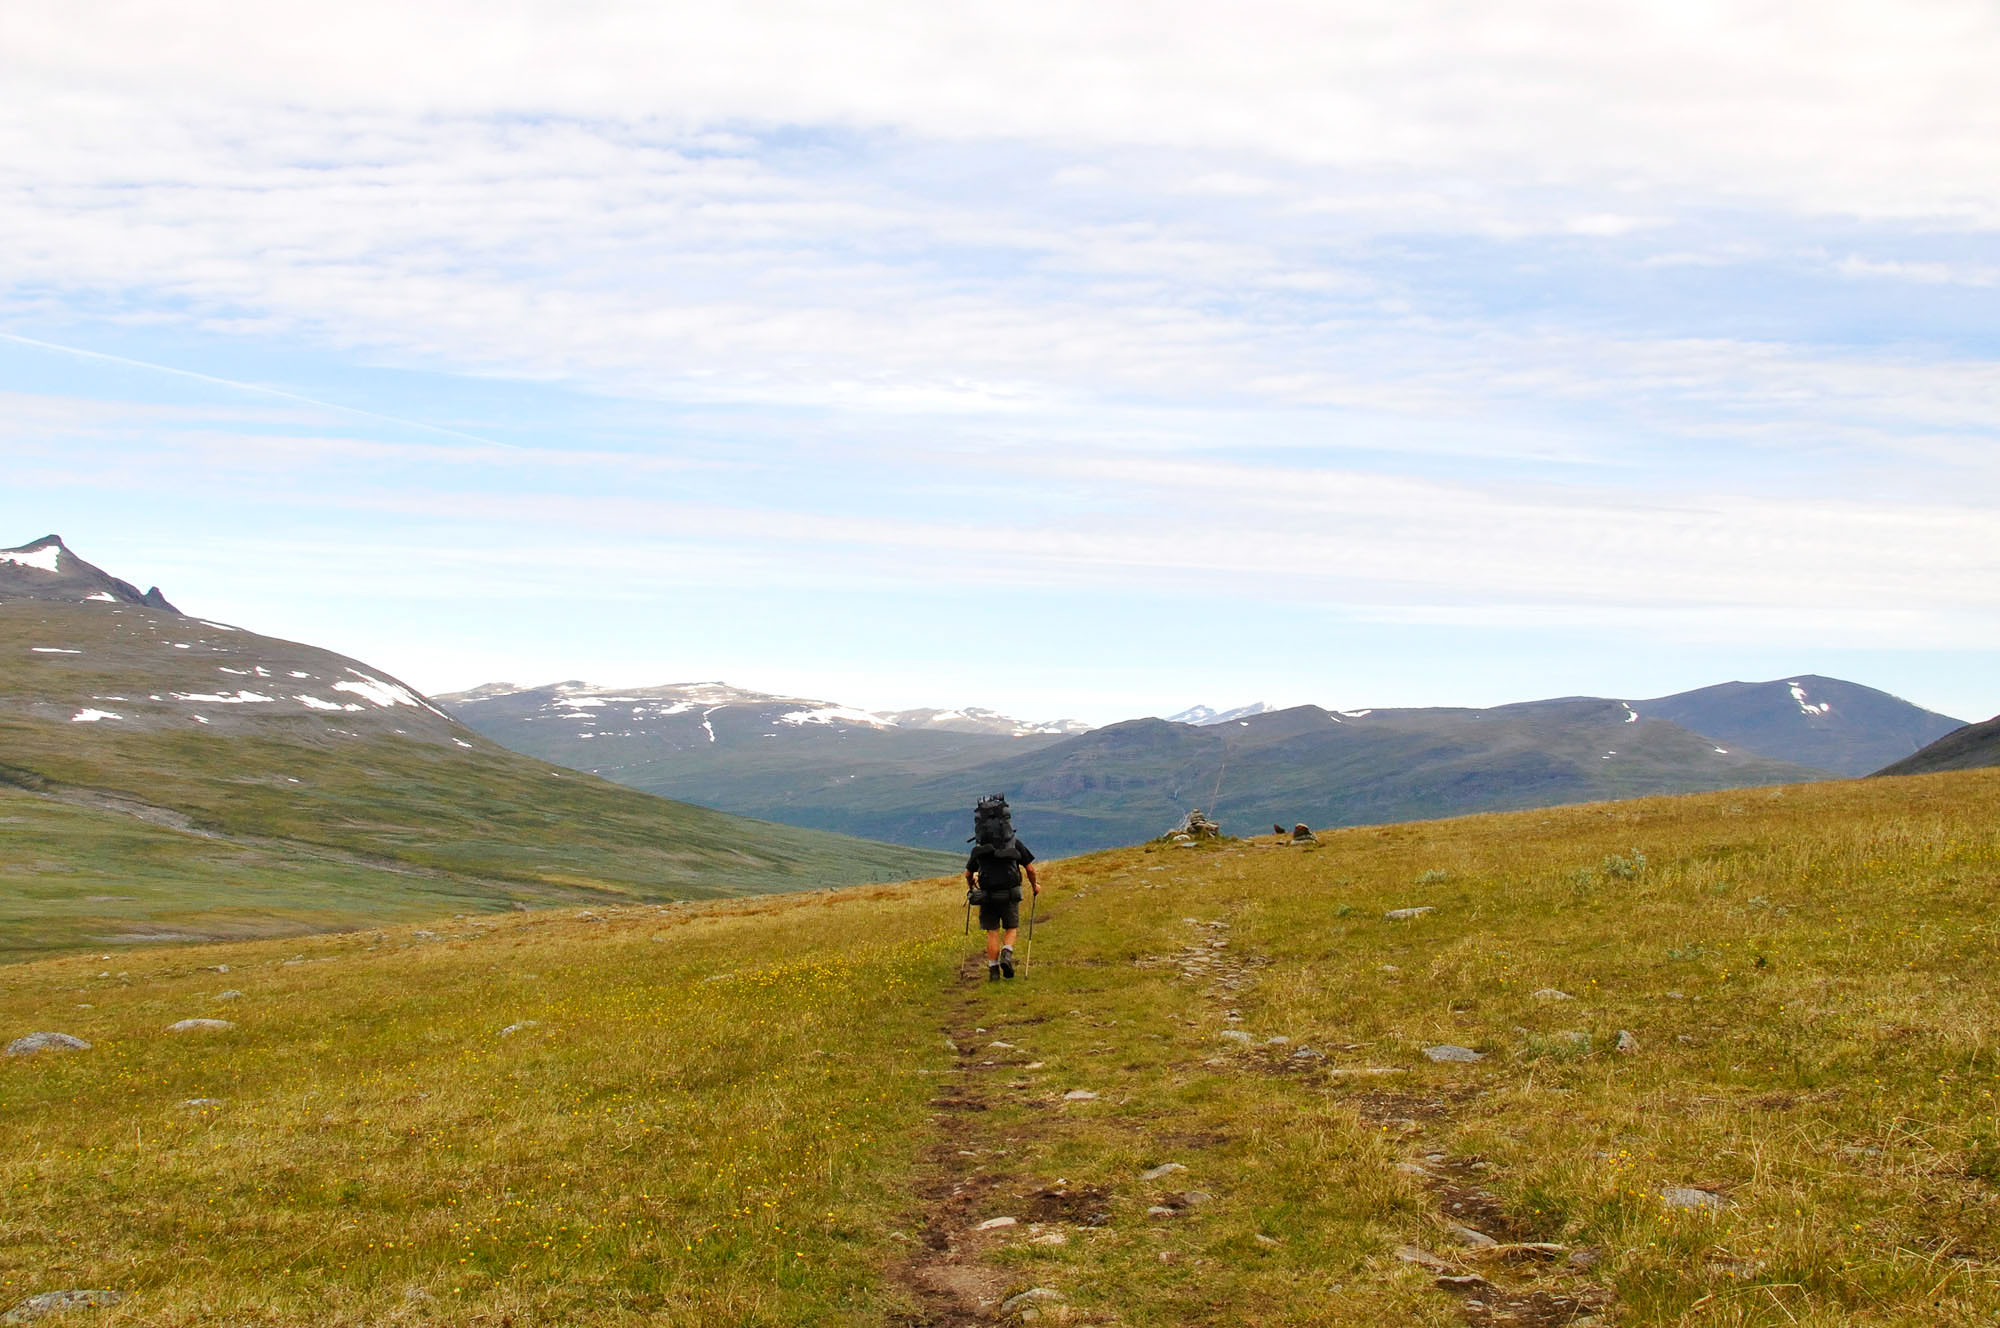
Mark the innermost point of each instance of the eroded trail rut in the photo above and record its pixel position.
(979, 1196)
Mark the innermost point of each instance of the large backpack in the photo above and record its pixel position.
(992, 823)
(999, 860)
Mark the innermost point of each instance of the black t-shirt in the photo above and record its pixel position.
(989, 860)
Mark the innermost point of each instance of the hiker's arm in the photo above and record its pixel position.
(1029, 869)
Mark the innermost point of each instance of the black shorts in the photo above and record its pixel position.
(1001, 911)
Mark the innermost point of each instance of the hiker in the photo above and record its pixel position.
(993, 874)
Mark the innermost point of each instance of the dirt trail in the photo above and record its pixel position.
(1504, 1271)
(946, 1272)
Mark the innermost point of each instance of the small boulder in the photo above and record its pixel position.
(1627, 1044)
(1235, 1035)
(1030, 1298)
(1162, 1171)
(995, 1223)
(55, 1302)
(1405, 914)
(1421, 1257)
(231, 995)
(522, 1027)
(201, 1102)
(1079, 1095)
(1448, 1052)
(1471, 1239)
(1687, 1196)
(1553, 994)
(34, 1042)
(200, 1026)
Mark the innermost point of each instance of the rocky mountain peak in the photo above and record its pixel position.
(47, 569)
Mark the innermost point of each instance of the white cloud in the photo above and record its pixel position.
(1865, 106)
(1302, 301)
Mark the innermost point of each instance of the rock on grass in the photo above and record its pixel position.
(1687, 1196)
(55, 1302)
(34, 1042)
(1448, 1052)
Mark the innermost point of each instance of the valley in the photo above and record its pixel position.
(1727, 1061)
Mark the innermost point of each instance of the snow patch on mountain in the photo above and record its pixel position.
(1807, 707)
(385, 694)
(1202, 716)
(835, 715)
(318, 703)
(44, 559)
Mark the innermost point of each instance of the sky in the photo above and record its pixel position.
(1072, 361)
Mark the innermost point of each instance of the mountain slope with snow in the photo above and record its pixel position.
(1825, 722)
(45, 569)
(165, 776)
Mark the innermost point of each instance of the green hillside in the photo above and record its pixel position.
(1738, 1069)
(220, 817)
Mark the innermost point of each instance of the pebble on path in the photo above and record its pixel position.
(1031, 1297)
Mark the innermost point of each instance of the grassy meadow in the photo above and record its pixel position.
(801, 1109)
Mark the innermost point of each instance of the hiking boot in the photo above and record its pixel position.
(1007, 963)
(993, 973)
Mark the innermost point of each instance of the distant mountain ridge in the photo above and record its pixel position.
(647, 711)
(1825, 722)
(831, 767)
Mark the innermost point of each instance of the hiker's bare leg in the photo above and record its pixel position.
(993, 945)
(1012, 932)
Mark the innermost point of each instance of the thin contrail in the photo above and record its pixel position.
(258, 387)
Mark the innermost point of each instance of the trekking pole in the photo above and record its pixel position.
(968, 912)
(1028, 957)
